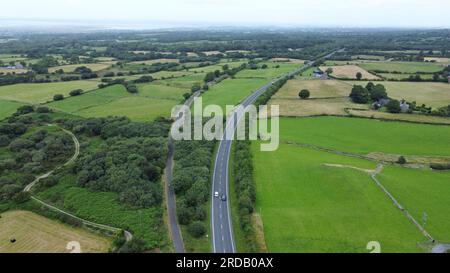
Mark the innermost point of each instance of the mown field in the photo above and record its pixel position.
(323, 208)
(430, 93)
(153, 100)
(309, 207)
(36, 234)
(43, 92)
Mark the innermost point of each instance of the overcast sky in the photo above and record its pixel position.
(340, 13)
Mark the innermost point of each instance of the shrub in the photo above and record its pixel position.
(22, 110)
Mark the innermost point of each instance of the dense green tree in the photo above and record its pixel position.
(58, 97)
(197, 229)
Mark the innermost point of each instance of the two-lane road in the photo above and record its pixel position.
(221, 223)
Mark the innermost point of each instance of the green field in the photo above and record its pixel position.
(42, 92)
(433, 94)
(403, 67)
(308, 207)
(231, 91)
(422, 191)
(324, 208)
(153, 100)
(93, 66)
(7, 108)
(393, 76)
(37, 234)
(363, 136)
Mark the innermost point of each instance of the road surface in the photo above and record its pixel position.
(221, 224)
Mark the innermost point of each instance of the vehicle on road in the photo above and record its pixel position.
(216, 194)
(223, 197)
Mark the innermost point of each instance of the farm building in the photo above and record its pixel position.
(380, 103)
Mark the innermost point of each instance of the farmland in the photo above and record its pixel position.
(314, 195)
(271, 72)
(42, 92)
(231, 91)
(36, 234)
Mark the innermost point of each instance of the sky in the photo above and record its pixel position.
(288, 13)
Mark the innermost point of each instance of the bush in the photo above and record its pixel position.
(197, 229)
(359, 94)
(58, 97)
(76, 92)
(4, 141)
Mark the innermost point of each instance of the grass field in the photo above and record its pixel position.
(422, 191)
(152, 101)
(404, 76)
(104, 207)
(349, 72)
(430, 93)
(363, 136)
(443, 61)
(7, 108)
(42, 92)
(37, 234)
(93, 66)
(309, 207)
(231, 91)
(403, 67)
